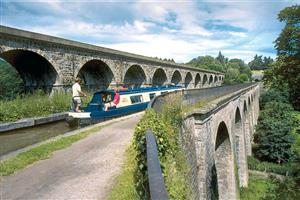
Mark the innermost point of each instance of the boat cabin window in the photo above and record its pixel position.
(151, 95)
(136, 99)
(164, 92)
(107, 97)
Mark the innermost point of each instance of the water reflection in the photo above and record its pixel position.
(14, 140)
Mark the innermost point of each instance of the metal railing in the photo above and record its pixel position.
(156, 181)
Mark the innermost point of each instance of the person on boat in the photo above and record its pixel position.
(114, 102)
(76, 93)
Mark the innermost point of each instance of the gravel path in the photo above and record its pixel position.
(85, 170)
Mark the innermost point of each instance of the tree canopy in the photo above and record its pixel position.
(10, 81)
(286, 70)
(260, 62)
(236, 70)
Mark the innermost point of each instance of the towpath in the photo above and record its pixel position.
(85, 170)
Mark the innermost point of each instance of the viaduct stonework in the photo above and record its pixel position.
(217, 139)
(49, 62)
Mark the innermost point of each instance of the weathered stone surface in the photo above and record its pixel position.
(218, 137)
(63, 60)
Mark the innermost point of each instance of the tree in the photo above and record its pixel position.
(256, 63)
(287, 68)
(274, 133)
(221, 58)
(260, 62)
(10, 81)
(207, 62)
(231, 76)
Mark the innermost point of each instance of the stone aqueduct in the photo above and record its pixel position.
(217, 139)
(51, 62)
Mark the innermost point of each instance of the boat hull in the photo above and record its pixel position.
(86, 118)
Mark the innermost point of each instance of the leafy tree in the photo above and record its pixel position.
(273, 133)
(287, 68)
(10, 81)
(207, 62)
(273, 95)
(231, 76)
(260, 62)
(256, 63)
(236, 70)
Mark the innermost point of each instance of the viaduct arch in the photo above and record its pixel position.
(50, 62)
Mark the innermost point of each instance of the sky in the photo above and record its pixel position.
(181, 30)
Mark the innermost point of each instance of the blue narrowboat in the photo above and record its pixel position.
(131, 100)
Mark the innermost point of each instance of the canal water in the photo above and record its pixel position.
(17, 139)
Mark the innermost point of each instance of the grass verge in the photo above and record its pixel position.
(283, 169)
(257, 72)
(41, 152)
(257, 189)
(124, 189)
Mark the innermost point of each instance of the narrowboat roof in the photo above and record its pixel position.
(142, 89)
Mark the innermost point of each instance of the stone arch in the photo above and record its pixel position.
(204, 81)
(96, 74)
(35, 70)
(188, 79)
(249, 101)
(220, 78)
(197, 80)
(176, 77)
(159, 77)
(210, 80)
(224, 163)
(134, 76)
(216, 79)
(240, 149)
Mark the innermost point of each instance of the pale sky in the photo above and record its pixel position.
(181, 30)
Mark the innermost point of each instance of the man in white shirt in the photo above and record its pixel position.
(76, 93)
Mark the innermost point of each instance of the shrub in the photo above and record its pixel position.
(286, 189)
(151, 120)
(173, 162)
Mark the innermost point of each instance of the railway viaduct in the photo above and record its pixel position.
(217, 139)
(217, 136)
(49, 62)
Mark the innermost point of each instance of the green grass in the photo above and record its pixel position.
(257, 188)
(257, 72)
(124, 189)
(35, 105)
(176, 180)
(282, 169)
(41, 152)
